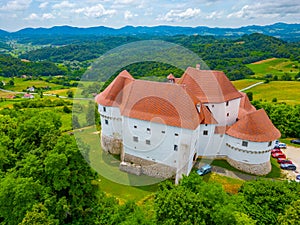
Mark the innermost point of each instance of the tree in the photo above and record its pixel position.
(290, 216)
(39, 215)
(11, 83)
(250, 95)
(70, 94)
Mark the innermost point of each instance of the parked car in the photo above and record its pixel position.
(284, 161)
(278, 155)
(297, 178)
(296, 141)
(280, 145)
(288, 166)
(276, 150)
(204, 170)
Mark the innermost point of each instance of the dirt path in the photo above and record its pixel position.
(251, 86)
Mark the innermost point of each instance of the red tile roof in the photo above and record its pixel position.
(245, 106)
(112, 95)
(171, 77)
(255, 126)
(209, 86)
(163, 103)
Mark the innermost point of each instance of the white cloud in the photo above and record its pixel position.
(16, 5)
(215, 15)
(127, 15)
(179, 15)
(126, 2)
(267, 9)
(63, 5)
(95, 11)
(43, 5)
(32, 16)
(47, 16)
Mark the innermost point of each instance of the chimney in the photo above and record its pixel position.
(198, 66)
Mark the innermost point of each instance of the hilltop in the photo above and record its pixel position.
(288, 32)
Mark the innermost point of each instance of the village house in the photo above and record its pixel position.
(160, 129)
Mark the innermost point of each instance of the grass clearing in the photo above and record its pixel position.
(274, 66)
(240, 84)
(112, 181)
(229, 184)
(284, 91)
(21, 84)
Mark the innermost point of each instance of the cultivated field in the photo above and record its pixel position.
(274, 66)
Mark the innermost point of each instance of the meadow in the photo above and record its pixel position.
(283, 91)
(274, 66)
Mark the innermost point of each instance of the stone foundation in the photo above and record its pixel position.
(111, 145)
(130, 168)
(256, 169)
(140, 166)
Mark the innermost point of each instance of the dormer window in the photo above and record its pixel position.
(198, 107)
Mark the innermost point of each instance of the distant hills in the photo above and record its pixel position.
(289, 32)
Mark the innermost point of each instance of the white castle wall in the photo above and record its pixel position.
(254, 153)
(111, 121)
(225, 113)
(156, 142)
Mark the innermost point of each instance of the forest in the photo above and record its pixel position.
(228, 55)
(44, 178)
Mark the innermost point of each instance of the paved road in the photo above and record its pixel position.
(293, 154)
(251, 86)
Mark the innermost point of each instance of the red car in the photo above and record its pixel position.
(276, 150)
(284, 161)
(278, 155)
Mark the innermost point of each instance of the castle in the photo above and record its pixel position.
(160, 129)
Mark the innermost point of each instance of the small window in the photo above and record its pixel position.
(135, 126)
(148, 130)
(176, 134)
(270, 143)
(106, 122)
(227, 103)
(148, 142)
(245, 143)
(227, 114)
(206, 125)
(205, 132)
(175, 147)
(104, 109)
(212, 106)
(163, 132)
(135, 139)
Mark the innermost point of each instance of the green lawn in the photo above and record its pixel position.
(112, 181)
(240, 84)
(275, 66)
(275, 172)
(22, 84)
(284, 91)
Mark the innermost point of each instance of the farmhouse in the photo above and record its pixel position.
(160, 129)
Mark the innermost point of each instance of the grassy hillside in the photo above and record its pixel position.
(274, 66)
(284, 91)
(240, 84)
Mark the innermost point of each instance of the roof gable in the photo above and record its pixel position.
(113, 94)
(209, 86)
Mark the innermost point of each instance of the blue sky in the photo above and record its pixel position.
(18, 14)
